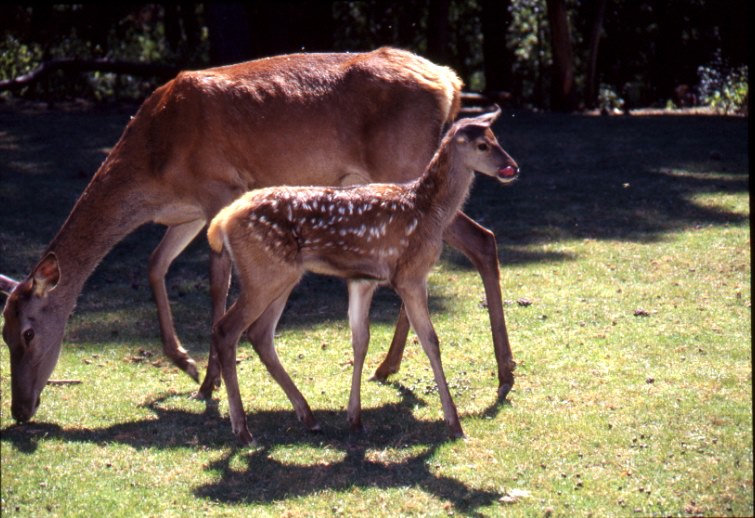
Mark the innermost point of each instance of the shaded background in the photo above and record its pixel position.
(563, 55)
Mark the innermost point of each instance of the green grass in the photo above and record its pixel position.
(633, 396)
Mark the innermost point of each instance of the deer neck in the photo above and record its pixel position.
(113, 204)
(444, 186)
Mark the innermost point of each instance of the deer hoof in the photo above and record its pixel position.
(187, 365)
(381, 375)
(503, 391)
(205, 391)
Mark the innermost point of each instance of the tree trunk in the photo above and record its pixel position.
(437, 31)
(284, 27)
(591, 88)
(563, 94)
(499, 60)
(228, 28)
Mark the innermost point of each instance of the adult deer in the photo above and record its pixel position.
(206, 137)
(370, 235)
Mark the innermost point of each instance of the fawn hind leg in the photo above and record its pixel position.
(261, 286)
(415, 298)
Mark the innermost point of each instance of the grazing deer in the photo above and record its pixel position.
(206, 137)
(370, 235)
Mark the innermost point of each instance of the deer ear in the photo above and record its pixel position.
(46, 275)
(7, 284)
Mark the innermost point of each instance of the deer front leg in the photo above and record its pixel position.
(479, 245)
(261, 335)
(220, 282)
(415, 300)
(175, 240)
(360, 299)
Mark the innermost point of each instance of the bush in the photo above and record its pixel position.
(723, 88)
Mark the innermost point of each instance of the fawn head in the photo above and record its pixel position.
(480, 151)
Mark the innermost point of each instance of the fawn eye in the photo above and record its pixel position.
(482, 146)
(28, 336)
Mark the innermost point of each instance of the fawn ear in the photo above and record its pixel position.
(487, 119)
(46, 275)
(7, 284)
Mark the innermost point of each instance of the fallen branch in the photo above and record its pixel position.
(63, 382)
(481, 102)
(77, 66)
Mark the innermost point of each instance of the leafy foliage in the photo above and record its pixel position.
(647, 49)
(725, 89)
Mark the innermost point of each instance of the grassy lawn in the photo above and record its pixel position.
(625, 254)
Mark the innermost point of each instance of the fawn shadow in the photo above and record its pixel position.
(263, 477)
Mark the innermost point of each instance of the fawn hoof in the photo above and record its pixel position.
(310, 423)
(357, 430)
(456, 433)
(245, 437)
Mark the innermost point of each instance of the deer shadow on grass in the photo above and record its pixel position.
(257, 475)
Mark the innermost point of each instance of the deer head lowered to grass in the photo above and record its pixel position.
(371, 235)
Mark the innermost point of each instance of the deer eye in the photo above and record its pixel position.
(482, 146)
(28, 336)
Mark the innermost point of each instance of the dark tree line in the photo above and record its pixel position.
(556, 54)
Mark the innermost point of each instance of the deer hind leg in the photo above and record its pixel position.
(175, 240)
(360, 299)
(479, 245)
(415, 299)
(220, 282)
(261, 335)
(392, 361)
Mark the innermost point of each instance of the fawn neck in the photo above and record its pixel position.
(444, 186)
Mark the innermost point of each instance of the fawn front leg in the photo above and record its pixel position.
(360, 299)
